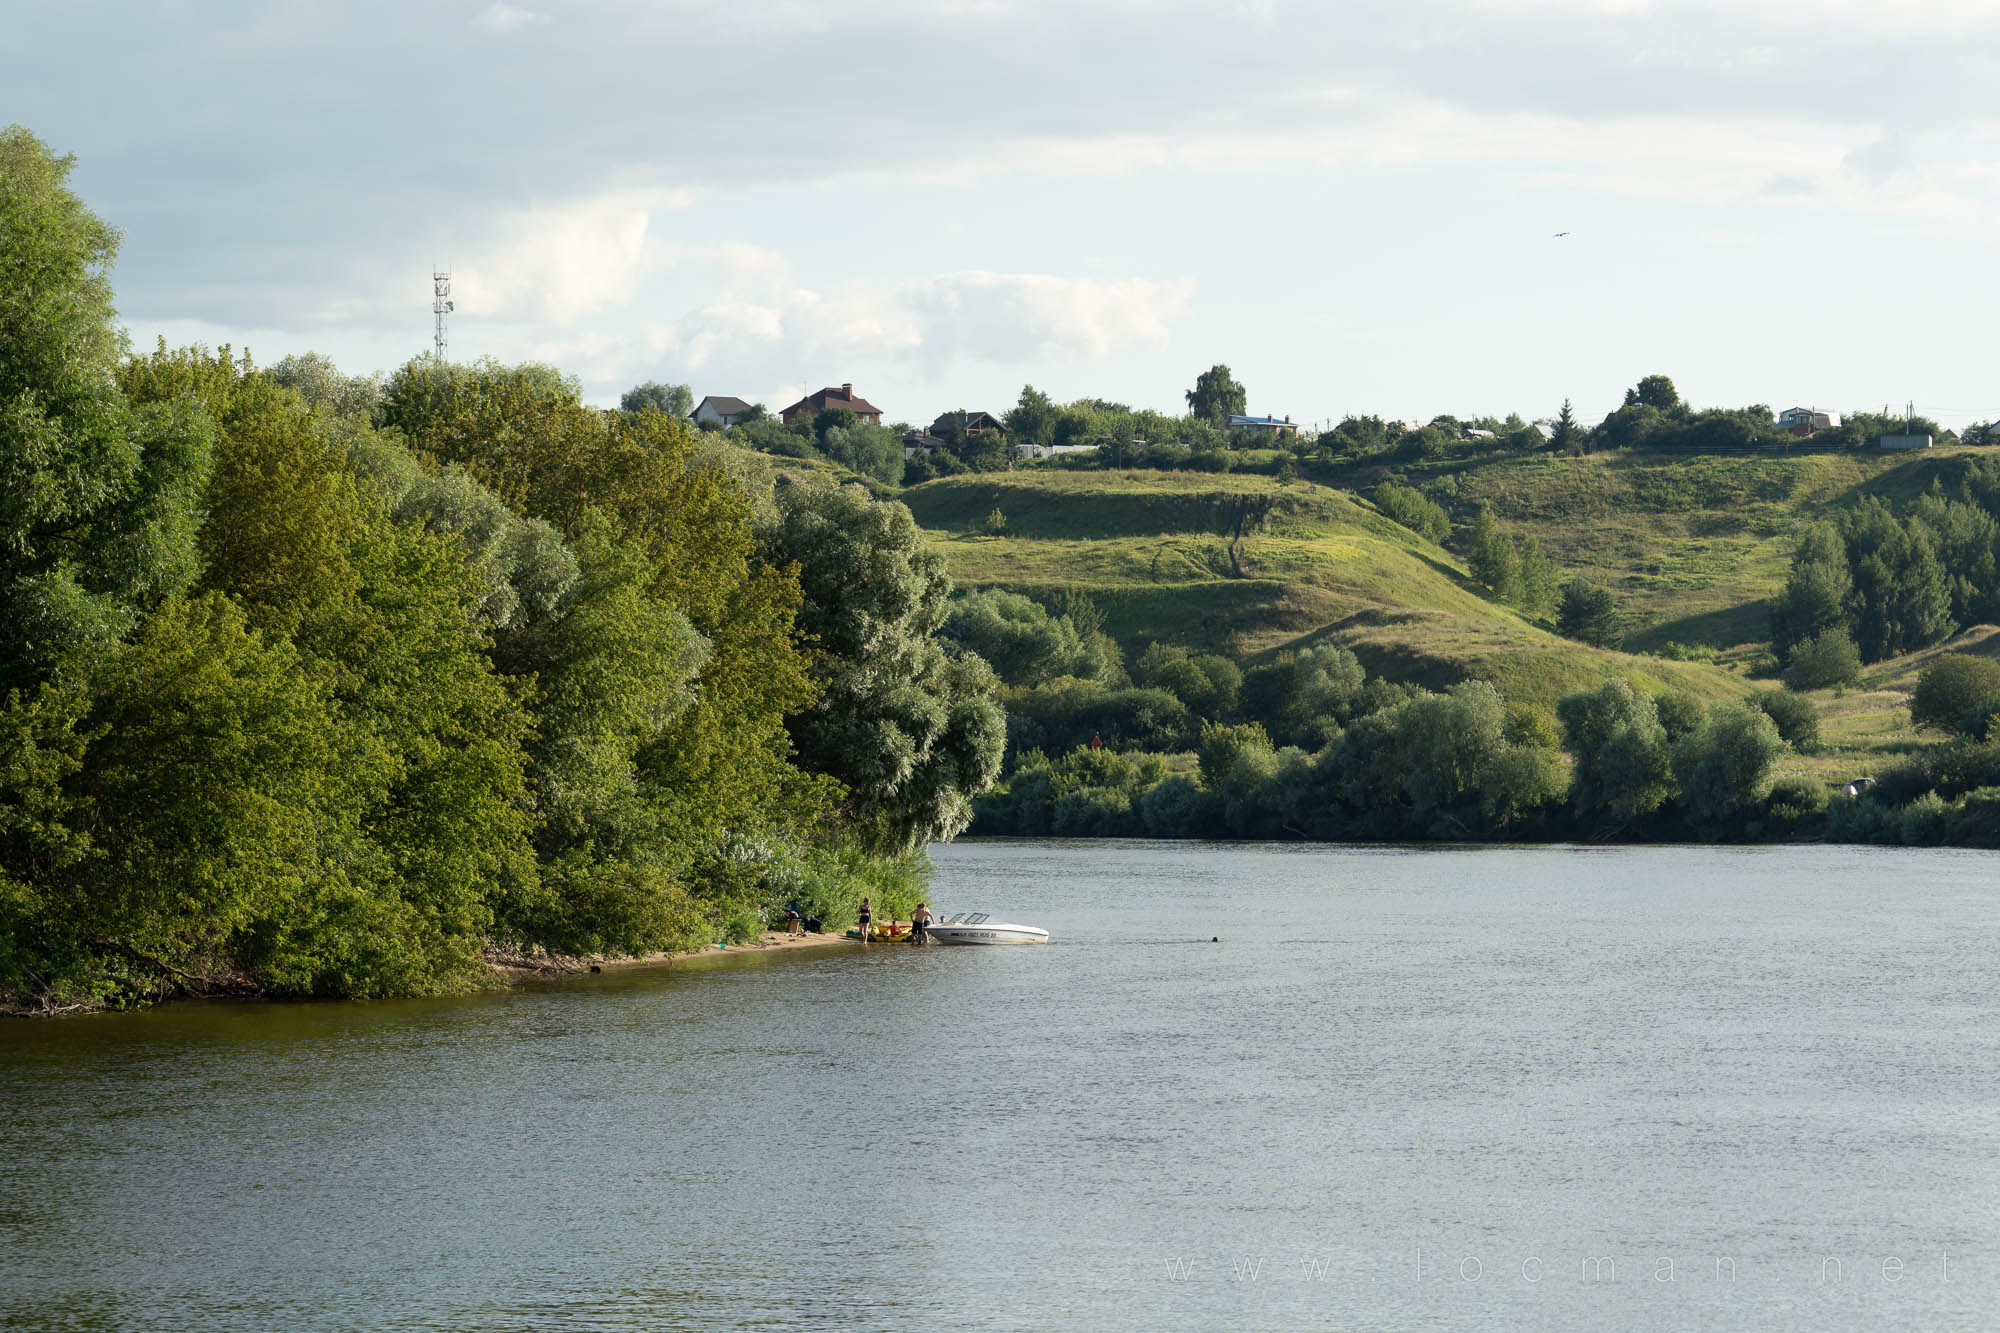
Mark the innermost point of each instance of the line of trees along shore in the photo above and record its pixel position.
(316, 685)
(1309, 746)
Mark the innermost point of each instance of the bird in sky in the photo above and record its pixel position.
(1560, 233)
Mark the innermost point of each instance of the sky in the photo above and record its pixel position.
(1355, 205)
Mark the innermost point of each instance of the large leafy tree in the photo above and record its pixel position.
(1620, 748)
(99, 503)
(1724, 765)
(908, 727)
(1216, 396)
(1032, 420)
(676, 400)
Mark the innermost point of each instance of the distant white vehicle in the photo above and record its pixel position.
(979, 928)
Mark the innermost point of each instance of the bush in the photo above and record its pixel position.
(1796, 718)
(1795, 809)
(1094, 812)
(1177, 807)
(1827, 660)
(1679, 712)
(1587, 614)
(1409, 508)
(1957, 693)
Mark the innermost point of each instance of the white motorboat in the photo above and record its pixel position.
(979, 928)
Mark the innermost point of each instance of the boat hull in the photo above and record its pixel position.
(988, 934)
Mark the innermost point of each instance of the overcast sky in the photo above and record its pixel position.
(1353, 205)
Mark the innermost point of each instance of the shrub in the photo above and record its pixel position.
(1825, 661)
(1957, 693)
(1177, 807)
(1587, 614)
(1796, 718)
(1409, 508)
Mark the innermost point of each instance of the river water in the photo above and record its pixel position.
(1563, 1088)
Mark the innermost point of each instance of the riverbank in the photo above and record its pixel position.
(511, 968)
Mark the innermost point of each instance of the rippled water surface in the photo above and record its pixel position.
(1651, 1088)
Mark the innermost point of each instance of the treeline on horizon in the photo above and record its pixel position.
(319, 685)
(1653, 418)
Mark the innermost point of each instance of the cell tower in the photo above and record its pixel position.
(440, 307)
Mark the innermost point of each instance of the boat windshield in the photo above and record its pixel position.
(973, 919)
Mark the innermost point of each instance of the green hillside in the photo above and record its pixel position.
(1314, 565)
(1692, 545)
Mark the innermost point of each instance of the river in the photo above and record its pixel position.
(1244, 1087)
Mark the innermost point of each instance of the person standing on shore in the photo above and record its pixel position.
(867, 920)
(920, 925)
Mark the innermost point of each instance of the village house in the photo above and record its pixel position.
(1805, 421)
(919, 442)
(1264, 425)
(814, 404)
(719, 410)
(968, 424)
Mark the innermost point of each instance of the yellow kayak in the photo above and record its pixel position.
(883, 934)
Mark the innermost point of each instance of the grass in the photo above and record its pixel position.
(1325, 567)
(1693, 546)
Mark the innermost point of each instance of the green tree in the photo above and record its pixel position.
(837, 418)
(1816, 592)
(1724, 766)
(1207, 683)
(1825, 660)
(1491, 559)
(1794, 716)
(910, 730)
(1567, 437)
(99, 503)
(1033, 419)
(1537, 579)
(320, 384)
(1613, 734)
(1588, 614)
(996, 523)
(675, 400)
(1222, 747)
(1303, 698)
(1958, 693)
(1655, 391)
(1216, 396)
(1407, 506)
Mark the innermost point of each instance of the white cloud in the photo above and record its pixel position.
(503, 17)
(558, 263)
(1850, 18)
(770, 342)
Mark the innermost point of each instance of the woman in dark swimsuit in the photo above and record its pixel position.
(867, 920)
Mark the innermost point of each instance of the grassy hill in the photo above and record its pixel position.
(1693, 546)
(1322, 566)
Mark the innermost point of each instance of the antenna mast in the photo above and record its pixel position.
(441, 306)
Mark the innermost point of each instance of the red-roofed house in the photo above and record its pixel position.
(814, 404)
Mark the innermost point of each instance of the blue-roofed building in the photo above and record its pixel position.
(1269, 425)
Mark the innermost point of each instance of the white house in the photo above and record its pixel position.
(721, 410)
(1807, 420)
